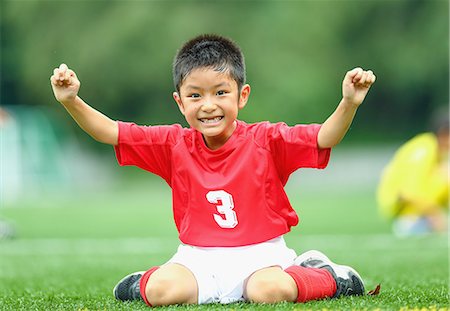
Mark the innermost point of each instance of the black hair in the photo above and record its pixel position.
(209, 51)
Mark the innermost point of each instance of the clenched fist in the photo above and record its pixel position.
(65, 84)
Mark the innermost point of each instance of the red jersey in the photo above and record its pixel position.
(232, 196)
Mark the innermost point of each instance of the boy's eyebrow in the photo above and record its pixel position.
(194, 87)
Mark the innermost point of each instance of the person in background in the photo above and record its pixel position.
(413, 188)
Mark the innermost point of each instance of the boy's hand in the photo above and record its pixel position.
(65, 84)
(356, 84)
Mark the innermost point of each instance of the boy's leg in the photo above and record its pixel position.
(300, 284)
(314, 276)
(160, 286)
(270, 285)
(171, 284)
(312, 283)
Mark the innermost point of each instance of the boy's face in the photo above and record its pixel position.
(210, 101)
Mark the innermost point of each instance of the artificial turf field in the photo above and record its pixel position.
(71, 249)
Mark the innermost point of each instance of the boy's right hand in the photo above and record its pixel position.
(65, 84)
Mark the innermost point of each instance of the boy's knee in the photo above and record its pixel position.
(171, 286)
(270, 288)
(158, 293)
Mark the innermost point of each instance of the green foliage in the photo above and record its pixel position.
(297, 53)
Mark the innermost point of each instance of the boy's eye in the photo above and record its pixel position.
(221, 93)
(194, 95)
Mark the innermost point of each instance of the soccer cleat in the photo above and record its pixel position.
(128, 287)
(348, 281)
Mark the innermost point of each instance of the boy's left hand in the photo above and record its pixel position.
(356, 84)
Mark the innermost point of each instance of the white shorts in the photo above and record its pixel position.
(222, 271)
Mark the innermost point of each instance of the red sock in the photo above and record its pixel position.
(143, 283)
(312, 283)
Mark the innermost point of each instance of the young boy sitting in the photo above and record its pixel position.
(227, 179)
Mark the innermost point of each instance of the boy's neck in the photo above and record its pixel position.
(217, 142)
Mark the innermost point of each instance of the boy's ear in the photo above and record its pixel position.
(177, 99)
(244, 94)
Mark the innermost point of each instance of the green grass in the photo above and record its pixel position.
(72, 249)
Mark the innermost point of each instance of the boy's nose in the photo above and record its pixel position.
(208, 106)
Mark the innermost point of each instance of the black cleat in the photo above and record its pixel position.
(128, 287)
(348, 281)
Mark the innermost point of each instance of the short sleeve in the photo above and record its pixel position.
(147, 147)
(296, 147)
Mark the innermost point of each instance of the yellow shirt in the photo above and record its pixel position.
(416, 181)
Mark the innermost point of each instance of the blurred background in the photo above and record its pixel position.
(297, 53)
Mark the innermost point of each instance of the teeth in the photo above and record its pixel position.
(216, 119)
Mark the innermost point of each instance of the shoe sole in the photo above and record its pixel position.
(123, 279)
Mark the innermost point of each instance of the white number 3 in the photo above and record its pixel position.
(226, 208)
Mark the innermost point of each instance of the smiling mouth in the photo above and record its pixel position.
(211, 120)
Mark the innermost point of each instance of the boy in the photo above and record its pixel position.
(227, 179)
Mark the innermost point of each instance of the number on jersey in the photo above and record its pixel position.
(229, 218)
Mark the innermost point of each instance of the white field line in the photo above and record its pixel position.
(373, 242)
(88, 246)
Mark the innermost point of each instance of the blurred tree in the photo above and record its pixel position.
(407, 44)
(297, 53)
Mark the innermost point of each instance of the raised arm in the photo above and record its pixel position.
(355, 86)
(65, 85)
